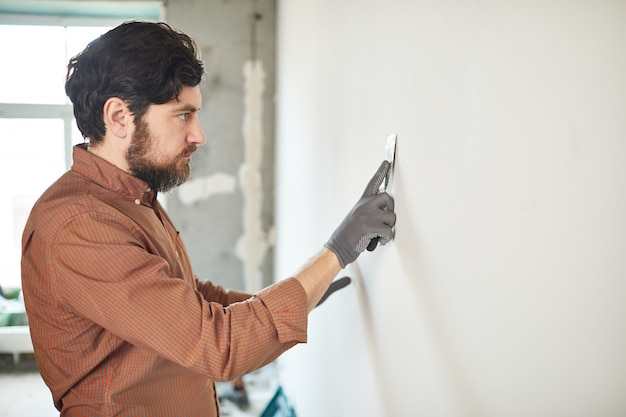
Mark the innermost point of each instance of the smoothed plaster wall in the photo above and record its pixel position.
(503, 292)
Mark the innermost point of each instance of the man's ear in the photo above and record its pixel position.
(118, 118)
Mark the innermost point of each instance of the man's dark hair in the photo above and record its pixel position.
(142, 63)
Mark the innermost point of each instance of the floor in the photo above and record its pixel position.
(24, 394)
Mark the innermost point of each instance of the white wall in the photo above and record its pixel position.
(503, 293)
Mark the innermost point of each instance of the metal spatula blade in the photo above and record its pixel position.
(390, 155)
(390, 150)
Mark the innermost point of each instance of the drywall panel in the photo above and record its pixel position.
(502, 294)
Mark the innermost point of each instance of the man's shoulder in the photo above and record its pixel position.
(72, 196)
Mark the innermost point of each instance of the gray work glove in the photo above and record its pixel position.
(372, 217)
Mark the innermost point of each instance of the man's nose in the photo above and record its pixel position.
(196, 134)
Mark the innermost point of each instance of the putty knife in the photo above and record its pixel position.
(390, 151)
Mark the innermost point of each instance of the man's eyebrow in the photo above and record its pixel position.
(186, 108)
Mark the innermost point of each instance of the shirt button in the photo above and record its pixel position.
(137, 201)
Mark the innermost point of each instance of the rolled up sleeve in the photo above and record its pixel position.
(287, 303)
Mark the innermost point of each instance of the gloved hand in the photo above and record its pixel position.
(371, 217)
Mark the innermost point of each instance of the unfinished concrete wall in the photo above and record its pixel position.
(225, 212)
(503, 293)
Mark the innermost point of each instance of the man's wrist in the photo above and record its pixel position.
(317, 274)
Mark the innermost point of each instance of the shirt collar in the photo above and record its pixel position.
(107, 175)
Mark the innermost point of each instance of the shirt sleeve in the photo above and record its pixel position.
(107, 271)
(217, 293)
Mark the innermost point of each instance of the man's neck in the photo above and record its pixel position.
(112, 156)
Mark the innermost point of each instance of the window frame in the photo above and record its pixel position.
(65, 111)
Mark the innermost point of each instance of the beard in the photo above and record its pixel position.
(160, 177)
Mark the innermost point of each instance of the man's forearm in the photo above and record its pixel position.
(317, 274)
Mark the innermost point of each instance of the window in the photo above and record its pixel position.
(37, 130)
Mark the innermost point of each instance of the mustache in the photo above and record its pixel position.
(189, 150)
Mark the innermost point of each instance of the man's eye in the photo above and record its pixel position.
(184, 116)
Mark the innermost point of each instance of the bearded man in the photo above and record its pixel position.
(120, 324)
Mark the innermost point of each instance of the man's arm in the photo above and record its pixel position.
(218, 294)
(316, 276)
